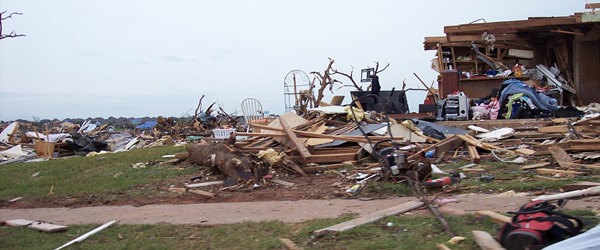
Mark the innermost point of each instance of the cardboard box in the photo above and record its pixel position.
(44, 149)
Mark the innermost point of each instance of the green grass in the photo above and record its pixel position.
(406, 232)
(112, 177)
(103, 177)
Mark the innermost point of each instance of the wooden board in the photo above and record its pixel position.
(37, 225)
(203, 184)
(202, 192)
(344, 226)
(449, 144)
(486, 241)
(318, 141)
(473, 154)
(536, 165)
(495, 217)
(298, 144)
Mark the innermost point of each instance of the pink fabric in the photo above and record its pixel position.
(494, 107)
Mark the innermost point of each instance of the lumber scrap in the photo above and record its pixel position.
(565, 129)
(299, 144)
(324, 158)
(282, 182)
(571, 194)
(558, 171)
(559, 154)
(203, 184)
(37, 225)
(344, 226)
(495, 217)
(289, 244)
(473, 154)
(536, 165)
(579, 185)
(476, 142)
(306, 134)
(316, 141)
(201, 192)
(441, 246)
(485, 241)
(327, 167)
(449, 144)
(517, 124)
(545, 178)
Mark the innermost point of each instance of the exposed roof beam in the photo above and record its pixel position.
(568, 32)
(508, 26)
(592, 6)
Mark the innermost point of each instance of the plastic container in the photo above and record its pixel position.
(222, 133)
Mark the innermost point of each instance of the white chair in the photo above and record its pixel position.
(253, 111)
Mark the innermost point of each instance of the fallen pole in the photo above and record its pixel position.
(88, 234)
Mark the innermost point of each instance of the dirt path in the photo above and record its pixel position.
(285, 211)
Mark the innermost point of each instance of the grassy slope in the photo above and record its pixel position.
(107, 176)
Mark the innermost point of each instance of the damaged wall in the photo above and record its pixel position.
(586, 65)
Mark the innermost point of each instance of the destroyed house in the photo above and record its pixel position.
(554, 52)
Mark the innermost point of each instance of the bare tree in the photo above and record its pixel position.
(324, 80)
(349, 76)
(12, 34)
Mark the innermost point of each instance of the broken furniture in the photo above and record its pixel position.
(253, 111)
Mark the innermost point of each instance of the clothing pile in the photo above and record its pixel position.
(519, 100)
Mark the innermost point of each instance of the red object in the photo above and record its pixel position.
(440, 182)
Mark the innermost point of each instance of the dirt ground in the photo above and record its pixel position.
(311, 197)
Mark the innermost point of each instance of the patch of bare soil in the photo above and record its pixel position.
(305, 188)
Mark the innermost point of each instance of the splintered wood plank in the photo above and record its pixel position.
(344, 226)
(317, 141)
(561, 156)
(525, 151)
(322, 158)
(441, 246)
(203, 184)
(449, 144)
(495, 217)
(329, 166)
(202, 192)
(289, 244)
(282, 182)
(579, 185)
(299, 144)
(486, 241)
(536, 165)
(473, 154)
(558, 171)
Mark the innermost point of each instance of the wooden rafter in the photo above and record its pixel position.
(509, 26)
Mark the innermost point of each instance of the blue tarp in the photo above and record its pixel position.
(147, 125)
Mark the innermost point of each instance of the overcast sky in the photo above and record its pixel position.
(133, 58)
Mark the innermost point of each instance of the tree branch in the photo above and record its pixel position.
(12, 34)
(349, 76)
(377, 71)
